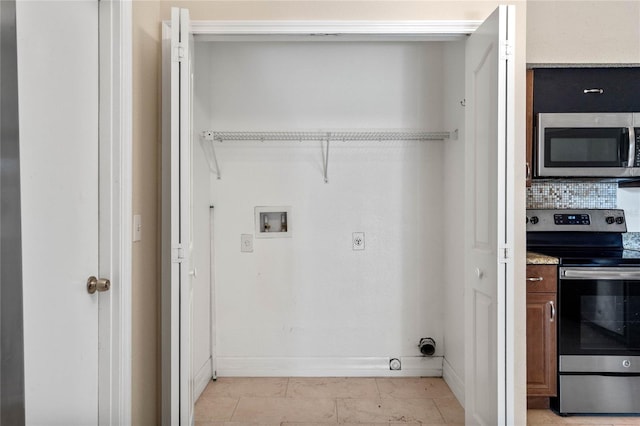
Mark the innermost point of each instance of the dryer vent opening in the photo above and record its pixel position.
(427, 346)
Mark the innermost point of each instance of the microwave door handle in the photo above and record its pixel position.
(632, 147)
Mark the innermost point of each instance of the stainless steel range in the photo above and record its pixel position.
(598, 308)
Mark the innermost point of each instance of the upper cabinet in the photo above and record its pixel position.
(587, 90)
(580, 90)
(529, 127)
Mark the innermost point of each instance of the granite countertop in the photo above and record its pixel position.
(540, 259)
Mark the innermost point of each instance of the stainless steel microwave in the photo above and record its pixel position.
(588, 145)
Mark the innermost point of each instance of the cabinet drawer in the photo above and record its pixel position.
(542, 278)
(562, 90)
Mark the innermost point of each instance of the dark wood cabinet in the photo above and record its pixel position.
(529, 138)
(541, 330)
(587, 90)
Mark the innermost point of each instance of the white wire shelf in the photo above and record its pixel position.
(324, 137)
(345, 136)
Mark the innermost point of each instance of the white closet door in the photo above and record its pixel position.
(179, 363)
(58, 67)
(489, 219)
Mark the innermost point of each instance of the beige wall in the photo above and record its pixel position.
(146, 188)
(572, 31)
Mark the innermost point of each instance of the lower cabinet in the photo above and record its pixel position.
(542, 369)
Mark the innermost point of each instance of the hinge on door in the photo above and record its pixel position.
(177, 254)
(178, 53)
(504, 254)
(506, 50)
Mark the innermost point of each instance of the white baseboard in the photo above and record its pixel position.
(454, 381)
(327, 367)
(202, 378)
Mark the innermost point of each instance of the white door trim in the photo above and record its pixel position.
(115, 181)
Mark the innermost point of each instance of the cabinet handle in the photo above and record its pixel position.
(599, 91)
(553, 310)
(535, 279)
(528, 171)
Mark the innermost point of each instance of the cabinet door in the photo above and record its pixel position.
(529, 137)
(563, 90)
(541, 344)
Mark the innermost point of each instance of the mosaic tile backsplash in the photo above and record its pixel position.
(572, 195)
(575, 195)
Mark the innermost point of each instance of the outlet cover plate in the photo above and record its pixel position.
(357, 240)
(246, 243)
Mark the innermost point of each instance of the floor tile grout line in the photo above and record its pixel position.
(286, 388)
(439, 410)
(235, 408)
(377, 387)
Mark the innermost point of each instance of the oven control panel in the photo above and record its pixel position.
(571, 219)
(584, 220)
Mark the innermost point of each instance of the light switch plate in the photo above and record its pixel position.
(357, 240)
(246, 243)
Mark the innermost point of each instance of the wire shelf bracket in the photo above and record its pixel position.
(209, 137)
(210, 151)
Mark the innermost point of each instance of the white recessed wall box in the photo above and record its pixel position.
(273, 222)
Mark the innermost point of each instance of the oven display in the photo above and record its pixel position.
(571, 219)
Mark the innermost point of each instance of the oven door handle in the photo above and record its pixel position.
(606, 273)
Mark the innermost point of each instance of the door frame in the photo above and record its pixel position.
(115, 204)
(433, 30)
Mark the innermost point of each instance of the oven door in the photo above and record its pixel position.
(599, 311)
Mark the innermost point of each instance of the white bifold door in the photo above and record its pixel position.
(489, 129)
(177, 398)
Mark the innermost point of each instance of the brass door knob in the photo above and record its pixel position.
(97, 284)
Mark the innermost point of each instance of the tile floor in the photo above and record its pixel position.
(548, 418)
(350, 401)
(314, 401)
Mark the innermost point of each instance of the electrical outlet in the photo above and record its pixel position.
(246, 243)
(357, 240)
